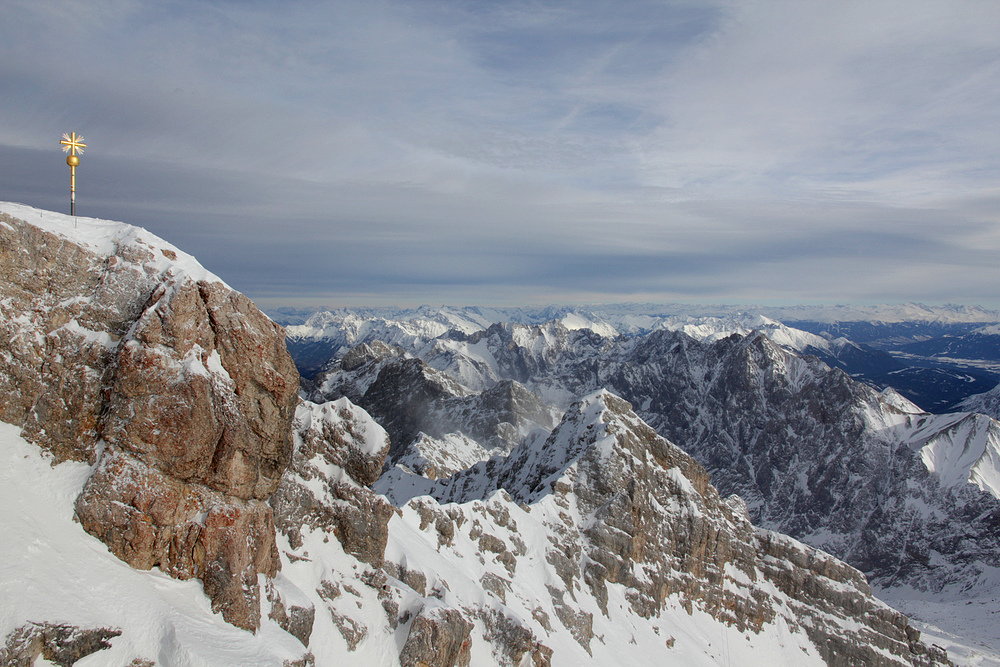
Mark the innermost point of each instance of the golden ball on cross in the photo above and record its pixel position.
(72, 160)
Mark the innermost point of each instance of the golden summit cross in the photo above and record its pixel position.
(72, 143)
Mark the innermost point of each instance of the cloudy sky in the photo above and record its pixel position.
(444, 151)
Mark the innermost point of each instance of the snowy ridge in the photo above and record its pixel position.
(369, 437)
(959, 448)
(106, 238)
(815, 454)
(433, 458)
(988, 330)
(477, 359)
(490, 562)
(987, 403)
(710, 329)
(592, 541)
(632, 319)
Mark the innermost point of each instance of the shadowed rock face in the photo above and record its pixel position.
(414, 401)
(178, 388)
(816, 454)
(336, 436)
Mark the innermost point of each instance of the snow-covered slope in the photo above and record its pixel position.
(109, 238)
(959, 449)
(474, 358)
(987, 403)
(631, 319)
(599, 542)
(119, 350)
(51, 571)
(425, 408)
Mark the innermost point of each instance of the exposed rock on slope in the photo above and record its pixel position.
(122, 351)
(630, 528)
(819, 456)
(59, 644)
(339, 452)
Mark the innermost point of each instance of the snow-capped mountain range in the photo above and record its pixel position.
(643, 317)
(861, 473)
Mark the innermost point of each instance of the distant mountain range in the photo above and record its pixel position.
(936, 356)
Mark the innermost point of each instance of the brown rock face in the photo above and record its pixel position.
(651, 522)
(62, 310)
(205, 390)
(687, 549)
(439, 637)
(149, 519)
(185, 385)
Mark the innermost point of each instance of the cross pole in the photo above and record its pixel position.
(72, 143)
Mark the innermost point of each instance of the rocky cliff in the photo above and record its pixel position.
(122, 351)
(604, 527)
(434, 422)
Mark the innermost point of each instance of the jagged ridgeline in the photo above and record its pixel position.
(156, 422)
(908, 497)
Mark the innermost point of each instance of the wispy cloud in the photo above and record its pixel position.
(426, 150)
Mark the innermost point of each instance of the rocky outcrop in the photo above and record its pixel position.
(63, 309)
(203, 388)
(399, 392)
(817, 455)
(59, 644)
(438, 637)
(291, 609)
(122, 351)
(415, 402)
(513, 642)
(149, 519)
(339, 452)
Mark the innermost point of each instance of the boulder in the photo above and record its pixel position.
(439, 637)
(58, 643)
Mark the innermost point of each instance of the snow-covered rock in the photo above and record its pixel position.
(419, 406)
(54, 574)
(610, 545)
(120, 350)
(987, 403)
(158, 409)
